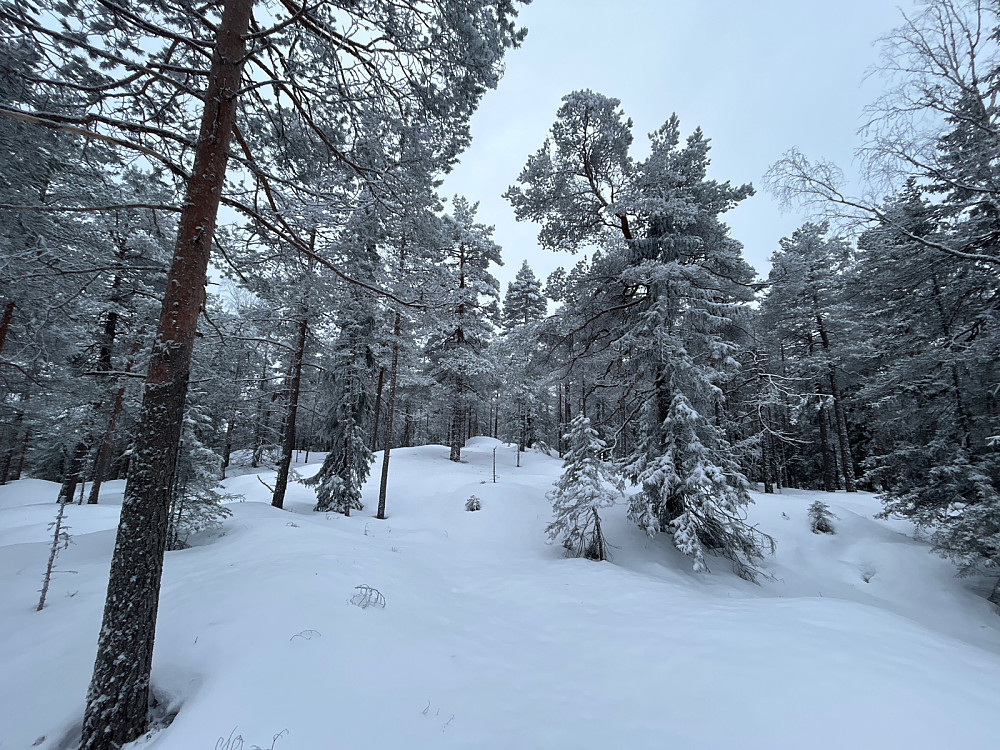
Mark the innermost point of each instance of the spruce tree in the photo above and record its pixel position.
(658, 306)
(196, 498)
(467, 314)
(586, 485)
(524, 302)
(349, 410)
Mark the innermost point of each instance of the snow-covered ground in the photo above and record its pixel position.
(490, 639)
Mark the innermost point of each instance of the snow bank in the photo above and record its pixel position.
(491, 639)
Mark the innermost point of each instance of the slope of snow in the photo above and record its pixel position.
(491, 639)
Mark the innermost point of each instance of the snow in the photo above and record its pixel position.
(491, 639)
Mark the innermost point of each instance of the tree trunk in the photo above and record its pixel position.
(118, 697)
(390, 413)
(378, 406)
(829, 475)
(455, 432)
(288, 427)
(103, 458)
(261, 423)
(227, 448)
(559, 420)
(8, 314)
(9, 470)
(22, 455)
(765, 457)
(74, 473)
(840, 419)
(407, 425)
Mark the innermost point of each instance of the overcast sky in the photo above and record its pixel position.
(758, 77)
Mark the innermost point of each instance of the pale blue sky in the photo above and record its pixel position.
(758, 77)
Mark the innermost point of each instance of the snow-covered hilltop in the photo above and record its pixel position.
(491, 638)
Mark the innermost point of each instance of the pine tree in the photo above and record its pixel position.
(520, 393)
(692, 487)
(458, 344)
(581, 491)
(802, 309)
(656, 307)
(432, 64)
(929, 323)
(524, 302)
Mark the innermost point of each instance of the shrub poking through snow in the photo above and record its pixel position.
(821, 518)
(581, 491)
(473, 504)
(365, 596)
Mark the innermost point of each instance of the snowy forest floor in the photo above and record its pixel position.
(491, 639)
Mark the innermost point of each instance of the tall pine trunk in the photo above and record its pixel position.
(390, 413)
(288, 428)
(829, 472)
(456, 431)
(74, 473)
(118, 698)
(840, 419)
(765, 456)
(103, 458)
(378, 406)
(8, 315)
(10, 465)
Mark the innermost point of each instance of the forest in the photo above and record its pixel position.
(223, 245)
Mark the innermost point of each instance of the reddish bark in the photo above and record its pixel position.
(8, 314)
(118, 698)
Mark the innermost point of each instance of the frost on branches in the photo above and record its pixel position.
(695, 493)
(347, 464)
(581, 491)
(196, 500)
(821, 518)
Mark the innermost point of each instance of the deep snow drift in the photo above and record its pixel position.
(489, 638)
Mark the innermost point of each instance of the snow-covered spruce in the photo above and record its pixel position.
(338, 482)
(821, 518)
(587, 484)
(473, 504)
(196, 499)
(695, 492)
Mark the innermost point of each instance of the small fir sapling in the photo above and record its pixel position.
(821, 518)
(587, 484)
(473, 504)
(60, 540)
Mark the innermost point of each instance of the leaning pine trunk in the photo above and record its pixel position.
(103, 459)
(378, 406)
(288, 430)
(390, 413)
(118, 698)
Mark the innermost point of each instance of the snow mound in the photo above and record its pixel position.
(490, 638)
